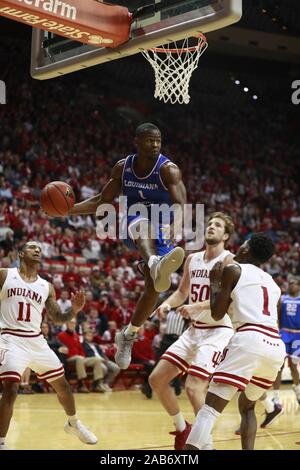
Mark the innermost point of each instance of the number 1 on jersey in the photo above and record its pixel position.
(21, 312)
(266, 301)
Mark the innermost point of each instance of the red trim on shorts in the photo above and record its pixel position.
(260, 327)
(173, 360)
(273, 330)
(182, 361)
(229, 378)
(200, 370)
(258, 384)
(198, 374)
(10, 375)
(260, 379)
(227, 381)
(55, 376)
(259, 331)
(10, 372)
(50, 372)
(175, 364)
(12, 333)
(17, 329)
(232, 376)
(204, 326)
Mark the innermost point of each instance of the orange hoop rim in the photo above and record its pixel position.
(184, 49)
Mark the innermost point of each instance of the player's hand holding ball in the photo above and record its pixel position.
(57, 199)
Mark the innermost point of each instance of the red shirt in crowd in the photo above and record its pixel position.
(71, 340)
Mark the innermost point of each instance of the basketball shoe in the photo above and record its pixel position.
(181, 436)
(124, 345)
(79, 430)
(270, 417)
(164, 266)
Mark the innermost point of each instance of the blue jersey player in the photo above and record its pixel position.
(147, 178)
(289, 323)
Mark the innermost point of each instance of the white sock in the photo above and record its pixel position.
(2, 441)
(179, 422)
(209, 445)
(201, 431)
(151, 260)
(276, 396)
(268, 404)
(72, 420)
(131, 329)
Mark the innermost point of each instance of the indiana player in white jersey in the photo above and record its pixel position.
(199, 349)
(255, 353)
(24, 294)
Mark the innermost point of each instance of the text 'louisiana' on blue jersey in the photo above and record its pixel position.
(290, 312)
(147, 190)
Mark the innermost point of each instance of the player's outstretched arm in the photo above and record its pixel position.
(54, 311)
(222, 282)
(110, 191)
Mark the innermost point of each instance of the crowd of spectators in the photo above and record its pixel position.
(240, 161)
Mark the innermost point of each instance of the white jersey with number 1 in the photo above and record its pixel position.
(255, 298)
(22, 304)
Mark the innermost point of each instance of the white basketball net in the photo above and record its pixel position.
(173, 66)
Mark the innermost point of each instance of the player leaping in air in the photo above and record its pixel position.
(146, 178)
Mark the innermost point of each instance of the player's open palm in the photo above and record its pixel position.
(78, 301)
(162, 311)
(185, 311)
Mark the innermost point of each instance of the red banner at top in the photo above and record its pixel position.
(87, 21)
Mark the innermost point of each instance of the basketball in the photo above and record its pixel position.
(57, 198)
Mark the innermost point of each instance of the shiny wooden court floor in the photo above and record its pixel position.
(128, 420)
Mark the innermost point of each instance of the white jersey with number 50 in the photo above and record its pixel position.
(255, 298)
(22, 304)
(199, 270)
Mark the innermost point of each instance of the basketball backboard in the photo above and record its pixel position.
(156, 22)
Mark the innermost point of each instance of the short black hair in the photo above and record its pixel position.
(261, 246)
(144, 128)
(22, 247)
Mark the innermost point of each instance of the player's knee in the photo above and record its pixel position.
(196, 387)
(246, 404)
(62, 386)
(155, 380)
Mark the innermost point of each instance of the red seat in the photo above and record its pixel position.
(132, 376)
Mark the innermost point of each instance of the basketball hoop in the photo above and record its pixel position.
(173, 65)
